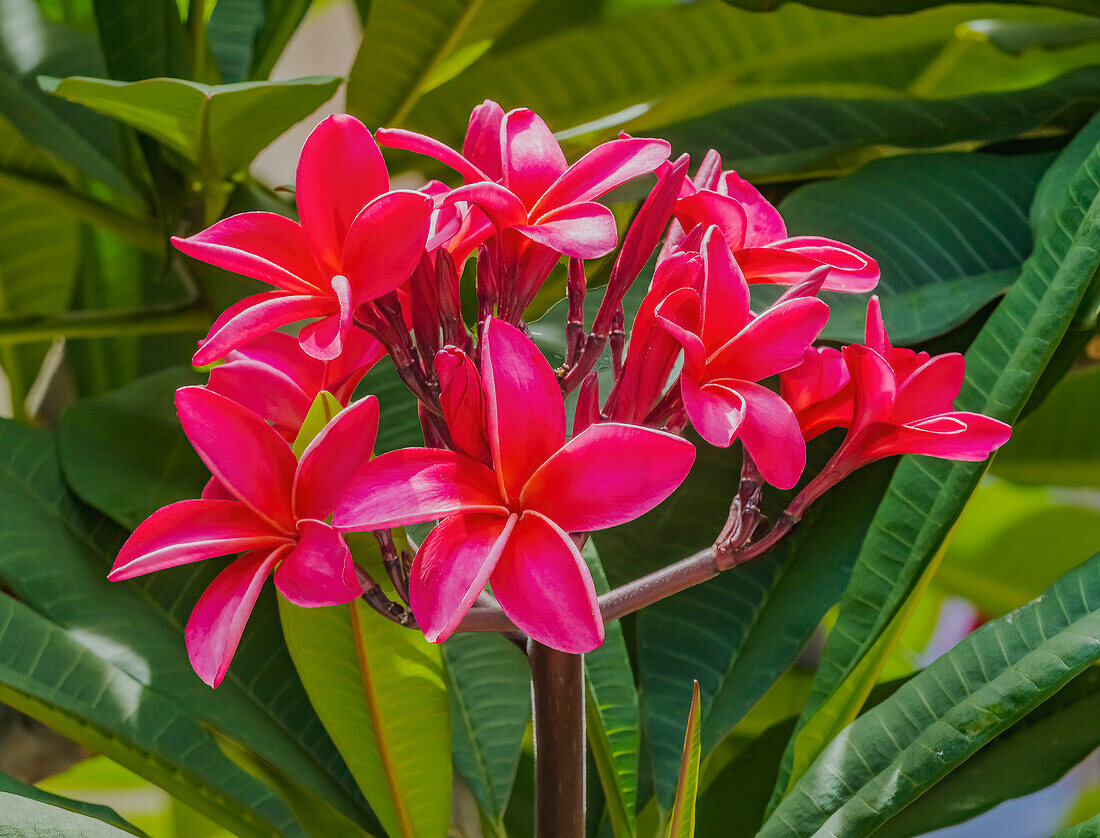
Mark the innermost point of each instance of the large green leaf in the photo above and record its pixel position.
(142, 39)
(926, 495)
(410, 47)
(91, 690)
(11, 786)
(1085, 829)
(990, 557)
(949, 232)
(611, 713)
(228, 124)
(681, 823)
(490, 692)
(769, 137)
(1056, 444)
(34, 817)
(248, 36)
(381, 693)
(944, 715)
(125, 453)
(1029, 756)
(738, 633)
(665, 63)
(898, 7)
(139, 625)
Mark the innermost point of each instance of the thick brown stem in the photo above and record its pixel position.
(557, 680)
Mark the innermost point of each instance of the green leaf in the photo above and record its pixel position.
(990, 557)
(739, 632)
(380, 691)
(1085, 829)
(125, 453)
(398, 425)
(489, 686)
(248, 36)
(682, 822)
(34, 817)
(76, 689)
(9, 786)
(1032, 754)
(949, 232)
(898, 7)
(768, 137)
(410, 47)
(324, 407)
(611, 714)
(1056, 444)
(927, 495)
(139, 625)
(944, 715)
(142, 39)
(231, 123)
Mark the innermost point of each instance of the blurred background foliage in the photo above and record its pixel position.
(956, 143)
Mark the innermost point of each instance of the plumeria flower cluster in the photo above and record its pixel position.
(376, 273)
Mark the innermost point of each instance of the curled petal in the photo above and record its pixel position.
(592, 482)
(775, 341)
(725, 298)
(414, 485)
(771, 436)
(329, 462)
(531, 158)
(501, 207)
(262, 245)
(264, 313)
(544, 586)
(339, 172)
(930, 389)
(215, 627)
(874, 332)
(324, 338)
(716, 412)
(190, 531)
(874, 386)
(526, 413)
(385, 243)
(319, 570)
(462, 399)
(602, 169)
(679, 316)
(586, 231)
(706, 208)
(245, 453)
(764, 223)
(452, 567)
(419, 144)
(482, 144)
(789, 260)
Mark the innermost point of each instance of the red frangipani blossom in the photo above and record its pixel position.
(356, 242)
(270, 505)
(757, 235)
(507, 524)
(727, 350)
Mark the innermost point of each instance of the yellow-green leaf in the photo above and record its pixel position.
(682, 823)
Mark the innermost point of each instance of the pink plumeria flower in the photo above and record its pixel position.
(755, 232)
(508, 525)
(517, 175)
(275, 378)
(899, 402)
(272, 507)
(727, 350)
(356, 241)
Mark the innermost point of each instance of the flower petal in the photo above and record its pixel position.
(586, 231)
(725, 298)
(262, 245)
(953, 436)
(385, 243)
(190, 531)
(874, 386)
(716, 412)
(462, 399)
(329, 462)
(707, 208)
(266, 391)
(216, 624)
(544, 586)
(602, 169)
(340, 171)
(678, 314)
(319, 570)
(414, 485)
(531, 158)
(775, 341)
(245, 453)
(930, 389)
(419, 144)
(324, 339)
(452, 567)
(592, 483)
(501, 206)
(526, 412)
(266, 313)
(789, 260)
(765, 224)
(771, 435)
(874, 331)
(482, 143)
